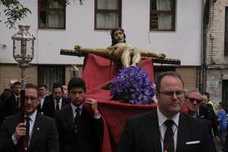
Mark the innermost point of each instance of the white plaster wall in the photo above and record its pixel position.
(184, 43)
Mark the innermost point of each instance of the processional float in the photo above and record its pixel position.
(115, 113)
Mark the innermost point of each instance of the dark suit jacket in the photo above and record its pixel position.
(39, 108)
(8, 104)
(206, 112)
(89, 136)
(141, 134)
(48, 108)
(44, 137)
(225, 148)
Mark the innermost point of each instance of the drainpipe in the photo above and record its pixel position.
(204, 25)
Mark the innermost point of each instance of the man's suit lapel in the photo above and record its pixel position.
(68, 113)
(36, 130)
(156, 133)
(64, 101)
(182, 133)
(153, 129)
(52, 104)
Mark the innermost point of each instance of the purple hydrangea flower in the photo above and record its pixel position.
(133, 85)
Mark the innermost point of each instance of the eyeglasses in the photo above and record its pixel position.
(30, 98)
(172, 93)
(194, 99)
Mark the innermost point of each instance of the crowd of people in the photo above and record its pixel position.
(67, 122)
(32, 120)
(51, 123)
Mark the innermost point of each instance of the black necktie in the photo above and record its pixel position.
(18, 102)
(57, 108)
(76, 119)
(27, 128)
(168, 139)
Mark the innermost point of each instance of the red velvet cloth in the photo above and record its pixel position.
(115, 115)
(97, 73)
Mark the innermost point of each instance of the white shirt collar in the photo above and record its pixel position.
(162, 118)
(74, 107)
(60, 102)
(33, 116)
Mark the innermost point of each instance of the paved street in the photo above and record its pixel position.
(218, 146)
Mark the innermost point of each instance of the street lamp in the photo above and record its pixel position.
(23, 53)
(23, 47)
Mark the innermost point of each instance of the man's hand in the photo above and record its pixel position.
(20, 130)
(217, 139)
(93, 104)
(94, 107)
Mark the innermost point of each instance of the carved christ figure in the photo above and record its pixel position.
(120, 50)
(128, 55)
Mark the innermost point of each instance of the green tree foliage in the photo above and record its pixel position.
(13, 10)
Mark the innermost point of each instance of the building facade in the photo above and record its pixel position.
(217, 51)
(173, 27)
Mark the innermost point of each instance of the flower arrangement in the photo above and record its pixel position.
(132, 84)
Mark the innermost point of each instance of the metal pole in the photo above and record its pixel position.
(24, 115)
(205, 20)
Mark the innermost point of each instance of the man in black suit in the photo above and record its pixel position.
(193, 100)
(79, 123)
(206, 111)
(165, 129)
(42, 93)
(10, 101)
(39, 132)
(54, 102)
(199, 109)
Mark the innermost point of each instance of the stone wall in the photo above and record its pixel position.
(215, 34)
(217, 62)
(10, 72)
(190, 77)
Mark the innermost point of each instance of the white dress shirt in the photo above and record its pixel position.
(42, 101)
(74, 107)
(161, 119)
(59, 104)
(32, 122)
(96, 115)
(32, 118)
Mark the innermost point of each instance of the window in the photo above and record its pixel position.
(107, 14)
(162, 15)
(51, 14)
(50, 74)
(226, 33)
